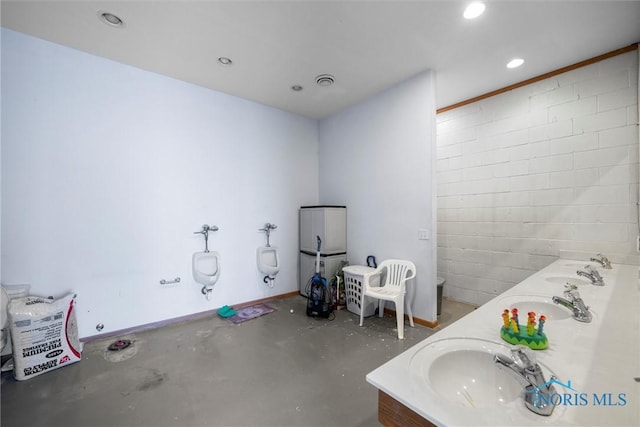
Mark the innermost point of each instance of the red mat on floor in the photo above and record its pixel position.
(248, 313)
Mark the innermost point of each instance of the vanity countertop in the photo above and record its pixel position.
(601, 359)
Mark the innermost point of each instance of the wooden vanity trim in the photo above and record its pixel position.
(392, 413)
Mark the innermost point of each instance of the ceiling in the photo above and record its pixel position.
(366, 46)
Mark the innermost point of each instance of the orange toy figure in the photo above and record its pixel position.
(505, 318)
(514, 315)
(531, 323)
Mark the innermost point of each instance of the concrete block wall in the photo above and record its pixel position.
(525, 174)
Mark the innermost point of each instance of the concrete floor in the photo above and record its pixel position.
(283, 369)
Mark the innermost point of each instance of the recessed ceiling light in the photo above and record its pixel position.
(296, 88)
(474, 10)
(225, 61)
(515, 63)
(325, 80)
(110, 19)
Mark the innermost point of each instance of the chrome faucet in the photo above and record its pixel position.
(574, 303)
(603, 261)
(522, 365)
(592, 274)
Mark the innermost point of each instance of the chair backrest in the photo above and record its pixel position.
(398, 272)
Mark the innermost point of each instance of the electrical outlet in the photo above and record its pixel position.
(423, 234)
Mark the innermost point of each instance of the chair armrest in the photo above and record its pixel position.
(413, 274)
(367, 276)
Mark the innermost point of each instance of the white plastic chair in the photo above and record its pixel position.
(394, 289)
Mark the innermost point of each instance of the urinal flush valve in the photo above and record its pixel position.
(206, 228)
(267, 229)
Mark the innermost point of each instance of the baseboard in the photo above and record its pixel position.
(186, 318)
(272, 298)
(428, 323)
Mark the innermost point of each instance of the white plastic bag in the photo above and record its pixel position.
(44, 335)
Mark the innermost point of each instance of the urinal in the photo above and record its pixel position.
(267, 257)
(206, 268)
(268, 261)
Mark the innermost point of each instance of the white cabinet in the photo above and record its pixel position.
(328, 222)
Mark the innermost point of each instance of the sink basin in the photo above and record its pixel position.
(462, 382)
(538, 304)
(459, 375)
(461, 372)
(563, 280)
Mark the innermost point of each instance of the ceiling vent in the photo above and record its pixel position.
(325, 80)
(110, 19)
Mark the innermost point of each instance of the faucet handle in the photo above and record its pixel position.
(523, 356)
(594, 272)
(572, 294)
(603, 261)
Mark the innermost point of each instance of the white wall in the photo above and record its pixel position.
(376, 159)
(526, 174)
(107, 171)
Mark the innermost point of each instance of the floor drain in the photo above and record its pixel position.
(119, 345)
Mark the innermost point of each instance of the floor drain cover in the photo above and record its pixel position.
(119, 345)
